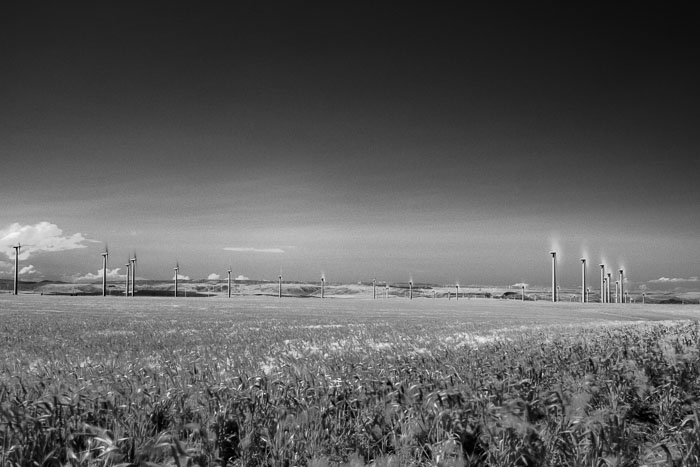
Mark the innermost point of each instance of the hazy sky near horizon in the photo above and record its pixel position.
(352, 140)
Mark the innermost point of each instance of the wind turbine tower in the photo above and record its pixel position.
(105, 255)
(554, 275)
(583, 280)
(457, 292)
(177, 273)
(622, 287)
(410, 290)
(605, 290)
(229, 281)
(128, 277)
(323, 287)
(609, 286)
(374, 288)
(602, 283)
(279, 288)
(16, 288)
(133, 274)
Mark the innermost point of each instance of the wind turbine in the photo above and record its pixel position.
(554, 275)
(128, 268)
(410, 290)
(605, 290)
(323, 287)
(583, 280)
(177, 272)
(279, 287)
(457, 297)
(105, 255)
(133, 275)
(374, 288)
(622, 286)
(229, 281)
(17, 248)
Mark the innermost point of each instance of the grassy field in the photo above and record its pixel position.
(267, 381)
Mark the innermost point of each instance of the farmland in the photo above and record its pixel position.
(267, 381)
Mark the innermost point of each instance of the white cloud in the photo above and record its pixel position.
(43, 236)
(28, 270)
(181, 277)
(241, 277)
(112, 275)
(675, 279)
(254, 250)
(520, 285)
(213, 277)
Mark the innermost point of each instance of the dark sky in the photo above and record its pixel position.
(353, 139)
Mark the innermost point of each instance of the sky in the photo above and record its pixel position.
(352, 140)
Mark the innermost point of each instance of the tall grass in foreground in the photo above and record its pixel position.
(91, 391)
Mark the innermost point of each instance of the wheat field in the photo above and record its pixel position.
(93, 381)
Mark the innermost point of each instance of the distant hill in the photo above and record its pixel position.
(210, 288)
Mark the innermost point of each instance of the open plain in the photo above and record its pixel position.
(261, 380)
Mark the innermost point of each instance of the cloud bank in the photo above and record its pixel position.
(112, 274)
(28, 270)
(213, 277)
(43, 236)
(181, 277)
(254, 250)
(663, 280)
(241, 277)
